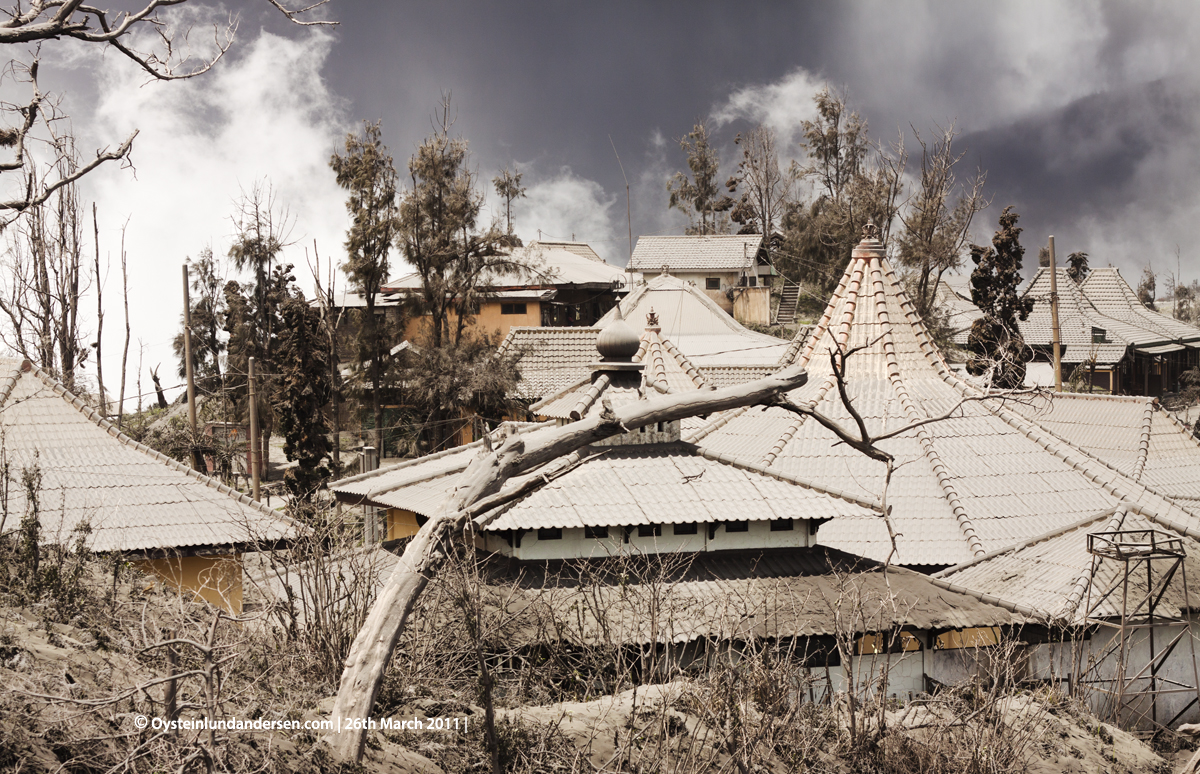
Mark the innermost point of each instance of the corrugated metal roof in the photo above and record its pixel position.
(718, 252)
(134, 498)
(728, 595)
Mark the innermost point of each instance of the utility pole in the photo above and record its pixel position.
(255, 451)
(197, 461)
(1054, 320)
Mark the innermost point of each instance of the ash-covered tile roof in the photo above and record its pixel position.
(135, 499)
(1050, 576)
(546, 264)
(961, 312)
(1110, 294)
(1079, 319)
(555, 359)
(983, 478)
(669, 484)
(552, 359)
(729, 595)
(718, 252)
(694, 322)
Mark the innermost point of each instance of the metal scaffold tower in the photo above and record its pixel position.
(1138, 594)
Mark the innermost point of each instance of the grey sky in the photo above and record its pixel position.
(1086, 115)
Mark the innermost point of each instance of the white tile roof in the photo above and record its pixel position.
(134, 498)
(1050, 575)
(1078, 314)
(548, 264)
(719, 252)
(982, 480)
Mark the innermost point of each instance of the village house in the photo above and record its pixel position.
(1110, 342)
(564, 284)
(734, 270)
(693, 325)
(981, 482)
(124, 498)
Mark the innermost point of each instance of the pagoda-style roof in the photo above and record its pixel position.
(1101, 318)
(987, 477)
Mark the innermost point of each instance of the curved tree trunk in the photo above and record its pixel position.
(487, 473)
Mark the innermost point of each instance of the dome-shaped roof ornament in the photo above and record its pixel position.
(617, 343)
(870, 246)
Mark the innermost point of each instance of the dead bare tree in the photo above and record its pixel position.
(101, 398)
(125, 350)
(45, 284)
(480, 493)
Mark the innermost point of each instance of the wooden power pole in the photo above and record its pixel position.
(197, 460)
(1054, 320)
(255, 451)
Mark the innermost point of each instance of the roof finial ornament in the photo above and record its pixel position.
(870, 231)
(652, 319)
(618, 342)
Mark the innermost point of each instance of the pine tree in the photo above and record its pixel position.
(995, 343)
(1077, 267)
(700, 196)
(369, 175)
(304, 388)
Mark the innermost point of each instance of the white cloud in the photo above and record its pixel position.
(567, 206)
(264, 112)
(783, 105)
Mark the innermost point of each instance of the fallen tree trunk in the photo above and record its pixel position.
(487, 473)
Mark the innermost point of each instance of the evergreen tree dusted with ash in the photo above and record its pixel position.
(995, 343)
(367, 173)
(305, 387)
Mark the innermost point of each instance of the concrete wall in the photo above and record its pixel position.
(215, 579)
(752, 306)
(488, 321)
(1054, 661)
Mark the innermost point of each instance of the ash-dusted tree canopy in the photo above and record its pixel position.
(368, 175)
(854, 183)
(301, 400)
(995, 343)
(1077, 267)
(699, 196)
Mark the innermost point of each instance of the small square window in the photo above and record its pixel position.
(684, 529)
(712, 283)
(649, 530)
(781, 525)
(550, 533)
(595, 532)
(752, 281)
(512, 309)
(737, 526)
